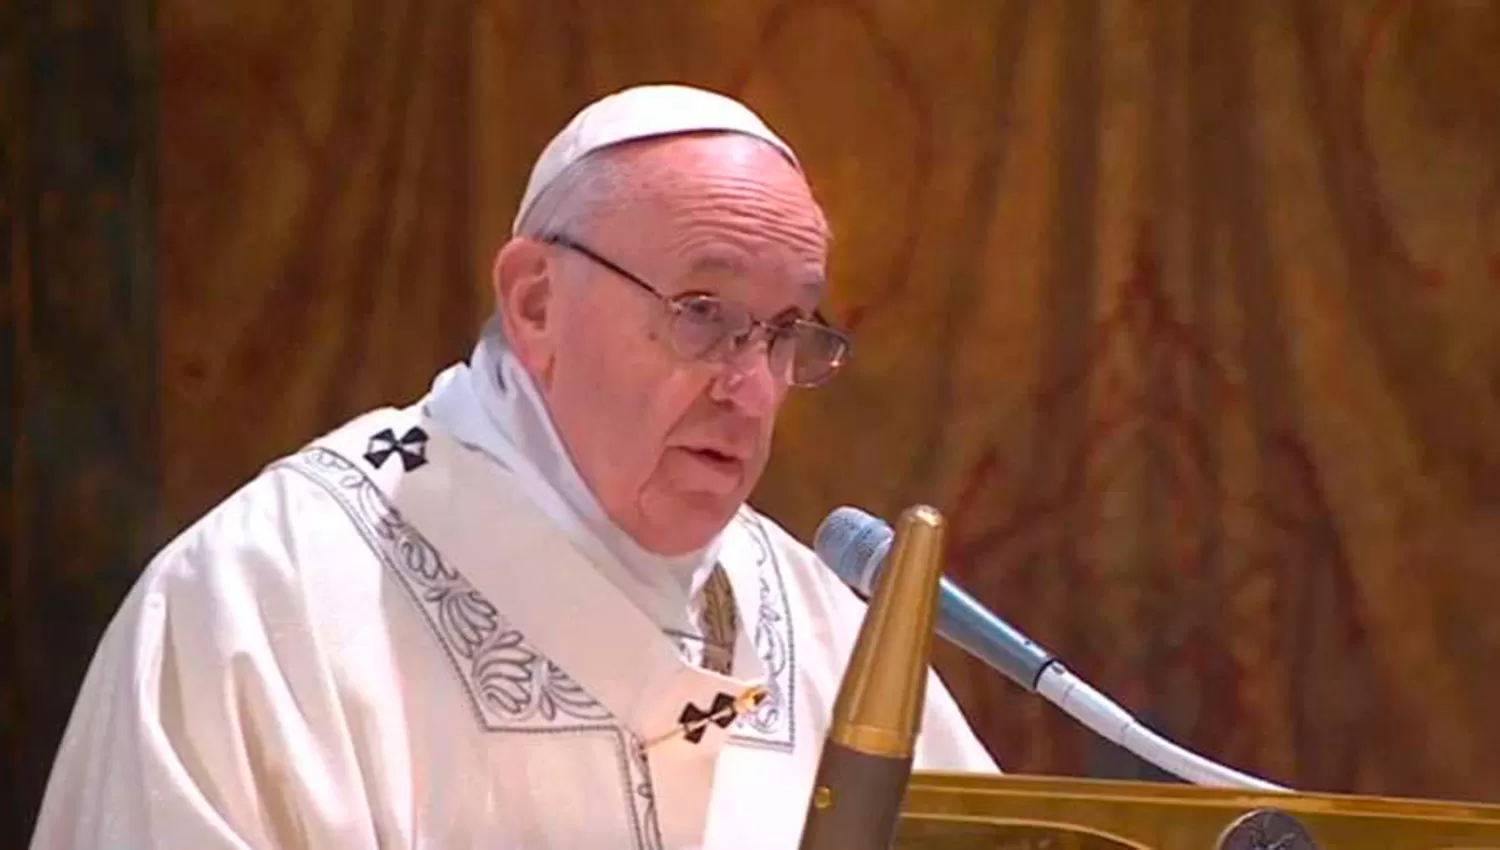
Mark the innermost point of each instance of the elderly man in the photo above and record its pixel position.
(531, 610)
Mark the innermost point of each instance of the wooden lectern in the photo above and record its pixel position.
(969, 812)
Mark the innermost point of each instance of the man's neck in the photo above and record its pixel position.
(495, 404)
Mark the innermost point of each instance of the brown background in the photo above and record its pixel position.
(1187, 313)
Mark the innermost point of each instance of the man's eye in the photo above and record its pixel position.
(703, 309)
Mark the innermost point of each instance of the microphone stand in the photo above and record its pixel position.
(867, 758)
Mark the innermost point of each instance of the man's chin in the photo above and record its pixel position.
(688, 522)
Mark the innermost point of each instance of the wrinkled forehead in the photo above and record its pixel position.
(718, 204)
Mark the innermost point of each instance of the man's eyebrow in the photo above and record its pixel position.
(717, 263)
(815, 286)
(723, 262)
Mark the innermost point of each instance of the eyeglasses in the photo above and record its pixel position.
(804, 353)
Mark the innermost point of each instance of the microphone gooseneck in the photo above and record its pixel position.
(854, 545)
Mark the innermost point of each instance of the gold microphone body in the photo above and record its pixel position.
(867, 759)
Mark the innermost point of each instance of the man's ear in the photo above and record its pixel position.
(524, 290)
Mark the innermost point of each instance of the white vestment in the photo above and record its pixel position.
(383, 642)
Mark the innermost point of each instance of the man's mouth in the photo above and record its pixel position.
(715, 455)
(709, 469)
(719, 461)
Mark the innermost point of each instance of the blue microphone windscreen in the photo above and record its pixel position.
(846, 541)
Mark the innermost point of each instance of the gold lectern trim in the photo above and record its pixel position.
(873, 740)
(879, 705)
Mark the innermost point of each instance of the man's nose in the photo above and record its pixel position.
(747, 380)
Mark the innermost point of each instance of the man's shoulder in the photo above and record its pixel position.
(258, 526)
(782, 543)
(290, 513)
(772, 531)
(821, 589)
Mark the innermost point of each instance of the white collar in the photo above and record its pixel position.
(491, 404)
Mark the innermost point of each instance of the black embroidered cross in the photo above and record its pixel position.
(693, 721)
(412, 447)
(696, 720)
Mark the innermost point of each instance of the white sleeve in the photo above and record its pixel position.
(209, 716)
(946, 741)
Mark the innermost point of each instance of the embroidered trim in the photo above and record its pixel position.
(512, 685)
(716, 618)
(650, 838)
(698, 651)
(774, 722)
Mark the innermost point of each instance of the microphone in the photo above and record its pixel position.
(855, 544)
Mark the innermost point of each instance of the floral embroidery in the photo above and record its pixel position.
(773, 722)
(511, 683)
(514, 686)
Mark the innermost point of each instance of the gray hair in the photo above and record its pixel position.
(573, 204)
(578, 198)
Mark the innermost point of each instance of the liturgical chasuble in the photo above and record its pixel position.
(381, 642)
